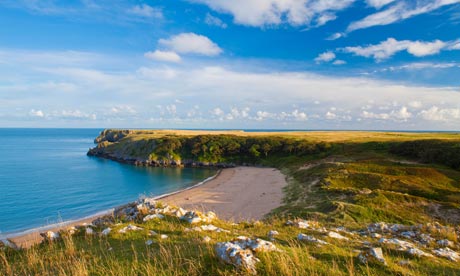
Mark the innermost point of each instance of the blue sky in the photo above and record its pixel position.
(294, 64)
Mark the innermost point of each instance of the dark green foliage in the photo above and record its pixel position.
(430, 151)
(233, 149)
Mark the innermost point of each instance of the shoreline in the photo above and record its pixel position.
(235, 194)
(11, 236)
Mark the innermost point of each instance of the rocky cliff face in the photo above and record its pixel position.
(112, 135)
(116, 145)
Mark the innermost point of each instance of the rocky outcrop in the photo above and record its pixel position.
(372, 255)
(112, 135)
(240, 252)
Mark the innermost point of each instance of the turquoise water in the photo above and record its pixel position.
(46, 177)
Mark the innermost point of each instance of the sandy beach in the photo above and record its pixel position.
(241, 193)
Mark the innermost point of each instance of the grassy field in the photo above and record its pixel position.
(338, 179)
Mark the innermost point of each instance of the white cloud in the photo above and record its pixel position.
(283, 99)
(440, 114)
(401, 10)
(214, 21)
(371, 115)
(217, 112)
(168, 56)
(335, 36)
(259, 13)
(36, 113)
(73, 114)
(145, 10)
(325, 57)
(339, 62)
(421, 49)
(422, 66)
(378, 3)
(299, 116)
(330, 115)
(391, 46)
(402, 114)
(324, 18)
(191, 43)
(415, 104)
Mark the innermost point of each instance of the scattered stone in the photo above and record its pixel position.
(402, 245)
(149, 242)
(233, 254)
(376, 235)
(206, 239)
(404, 263)
(445, 243)
(447, 253)
(105, 220)
(50, 236)
(408, 234)
(373, 254)
(426, 238)
(152, 233)
(417, 252)
(307, 238)
(89, 231)
(180, 212)
(163, 236)
(7, 243)
(191, 217)
(106, 231)
(213, 228)
(272, 234)
(130, 227)
(336, 235)
(154, 216)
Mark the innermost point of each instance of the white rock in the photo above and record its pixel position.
(408, 234)
(233, 254)
(180, 212)
(130, 227)
(260, 245)
(149, 242)
(376, 235)
(372, 254)
(154, 216)
(307, 238)
(152, 233)
(89, 231)
(72, 230)
(417, 252)
(402, 245)
(272, 234)
(50, 235)
(445, 243)
(404, 262)
(447, 253)
(163, 236)
(213, 228)
(192, 217)
(106, 231)
(336, 235)
(206, 239)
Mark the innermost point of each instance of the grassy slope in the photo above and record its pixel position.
(356, 183)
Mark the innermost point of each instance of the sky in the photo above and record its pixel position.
(239, 64)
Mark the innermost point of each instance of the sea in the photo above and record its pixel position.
(46, 178)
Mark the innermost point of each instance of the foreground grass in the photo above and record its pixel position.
(185, 253)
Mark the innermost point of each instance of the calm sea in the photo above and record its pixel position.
(46, 177)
